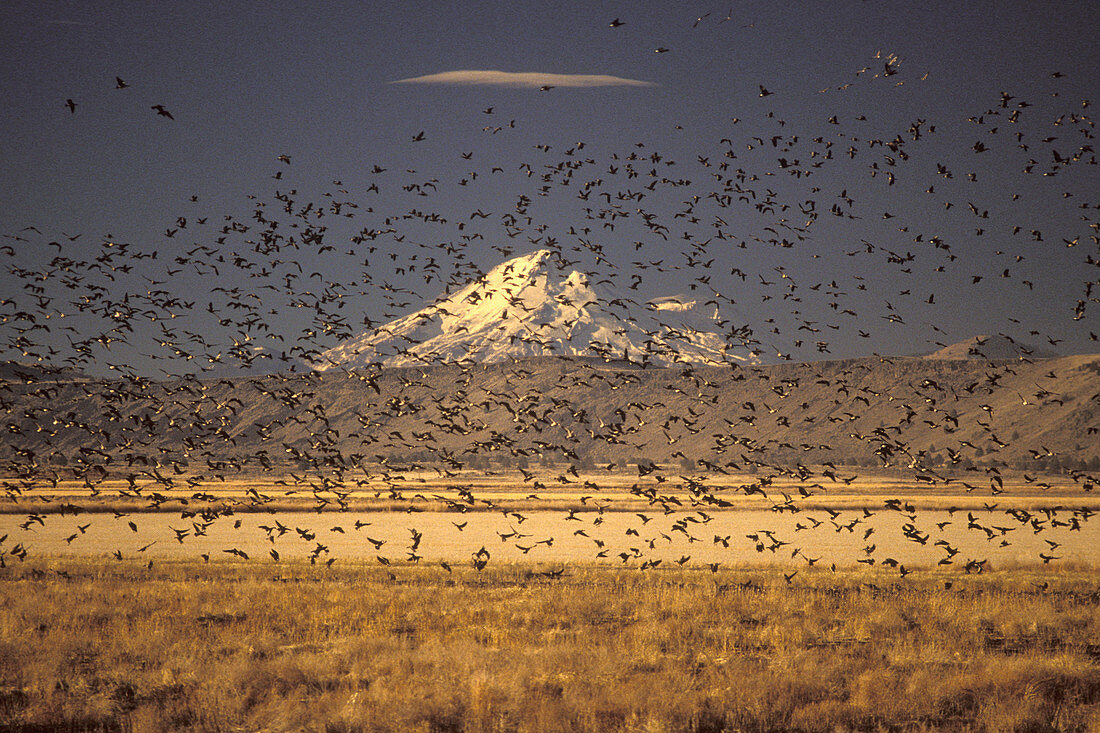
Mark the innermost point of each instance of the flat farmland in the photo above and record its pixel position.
(554, 599)
(621, 487)
(565, 516)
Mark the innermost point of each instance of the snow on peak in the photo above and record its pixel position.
(529, 306)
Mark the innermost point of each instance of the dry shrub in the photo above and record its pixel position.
(239, 646)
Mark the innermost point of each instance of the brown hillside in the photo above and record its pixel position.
(908, 411)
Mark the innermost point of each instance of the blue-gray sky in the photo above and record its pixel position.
(994, 95)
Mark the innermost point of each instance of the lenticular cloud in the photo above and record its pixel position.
(523, 79)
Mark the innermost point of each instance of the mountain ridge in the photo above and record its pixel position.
(999, 346)
(907, 410)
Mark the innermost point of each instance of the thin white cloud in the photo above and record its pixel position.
(531, 79)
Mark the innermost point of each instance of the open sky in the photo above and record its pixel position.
(841, 178)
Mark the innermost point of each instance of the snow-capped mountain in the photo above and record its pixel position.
(528, 306)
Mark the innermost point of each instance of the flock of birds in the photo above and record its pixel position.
(94, 302)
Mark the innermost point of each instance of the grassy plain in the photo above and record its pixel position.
(238, 646)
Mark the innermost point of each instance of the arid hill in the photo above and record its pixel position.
(992, 347)
(910, 412)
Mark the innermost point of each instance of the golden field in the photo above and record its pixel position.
(556, 487)
(239, 646)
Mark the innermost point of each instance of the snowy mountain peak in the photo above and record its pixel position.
(529, 306)
(523, 267)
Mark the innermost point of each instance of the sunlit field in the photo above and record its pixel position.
(562, 486)
(472, 603)
(559, 514)
(242, 646)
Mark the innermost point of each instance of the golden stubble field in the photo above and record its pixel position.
(95, 644)
(240, 646)
(558, 487)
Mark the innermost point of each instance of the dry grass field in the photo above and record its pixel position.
(237, 646)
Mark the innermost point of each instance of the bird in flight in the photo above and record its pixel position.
(162, 111)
